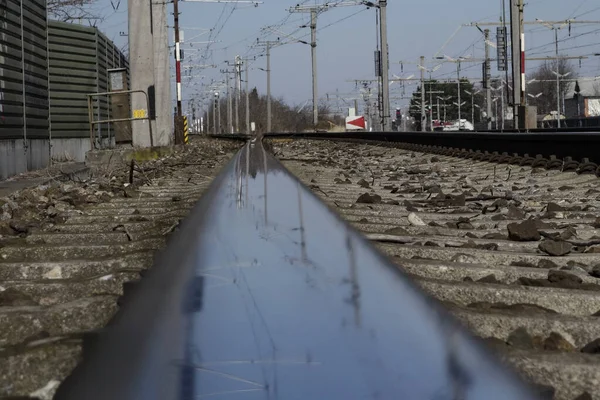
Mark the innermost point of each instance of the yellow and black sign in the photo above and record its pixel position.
(140, 114)
(186, 130)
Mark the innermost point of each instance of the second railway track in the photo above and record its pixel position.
(531, 291)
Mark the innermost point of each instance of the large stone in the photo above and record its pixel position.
(555, 248)
(515, 212)
(363, 184)
(520, 339)
(5, 229)
(415, 220)
(595, 272)
(556, 342)
(555, 276)
(367, 198)
(592, 347)
(524, 231)
(554, 207)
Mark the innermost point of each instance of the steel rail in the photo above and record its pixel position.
(265, 293)
(567, 146)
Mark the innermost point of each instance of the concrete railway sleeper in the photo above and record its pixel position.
(263, 291)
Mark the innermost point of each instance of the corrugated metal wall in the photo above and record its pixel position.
(45, 74)
(23, 70)
(80, 58)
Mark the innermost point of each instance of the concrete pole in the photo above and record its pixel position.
(215, 100)
(229, 109)
(557, 80)
(219, 116)
(238, 90)
(502, 105)
(207, 119)
(459, 105)
(423, 94)
(313, 53)
(247, 101)
(141, 66)
(473, 108)
(385, 90)
(163, 135)
(268, 87)
(430, 106)
(488, 90)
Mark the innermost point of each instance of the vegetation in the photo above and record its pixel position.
(284, 117)
(545, 83)
(449, 91)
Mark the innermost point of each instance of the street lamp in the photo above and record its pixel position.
(444, 99)
(472, 94)
(557, 73)
(559, 76)
(459, 105)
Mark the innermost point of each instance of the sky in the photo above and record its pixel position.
(347, 37)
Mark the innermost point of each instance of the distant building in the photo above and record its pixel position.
(583, 99)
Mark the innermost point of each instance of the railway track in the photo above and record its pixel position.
(264, 293)
(531, 291)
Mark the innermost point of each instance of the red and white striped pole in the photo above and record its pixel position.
(523, 88)
(177, 56)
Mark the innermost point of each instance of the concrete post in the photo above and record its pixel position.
(163, 134)
(141, 66)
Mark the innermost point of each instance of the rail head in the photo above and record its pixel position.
(266, 293)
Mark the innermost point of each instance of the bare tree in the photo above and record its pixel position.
(545, 84)
(76, 10)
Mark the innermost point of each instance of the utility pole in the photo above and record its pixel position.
(247, 99)
(385, 90)
(229, 108)
(459, 103)
(141, 53)
(215, 104)
(163, 135)
(423, 94)
(177, 55)
(557, 80)
(238, 90)
(219, 115)
(179, 117)
(268, 45)
(488, 89)
(518, 58)
(313, 55)
(314, 11)
(558, 76)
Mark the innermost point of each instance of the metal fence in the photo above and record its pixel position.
(79, 60)
(23, 70)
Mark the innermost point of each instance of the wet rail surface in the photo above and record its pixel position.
(513, 251)
(265, 293)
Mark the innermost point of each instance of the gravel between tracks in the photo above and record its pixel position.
(513, 252)
(67, 248)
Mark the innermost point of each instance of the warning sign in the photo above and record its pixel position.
(355, 123)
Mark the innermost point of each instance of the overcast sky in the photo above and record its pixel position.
(347, 39)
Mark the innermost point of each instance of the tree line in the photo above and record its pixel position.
(284, 117)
